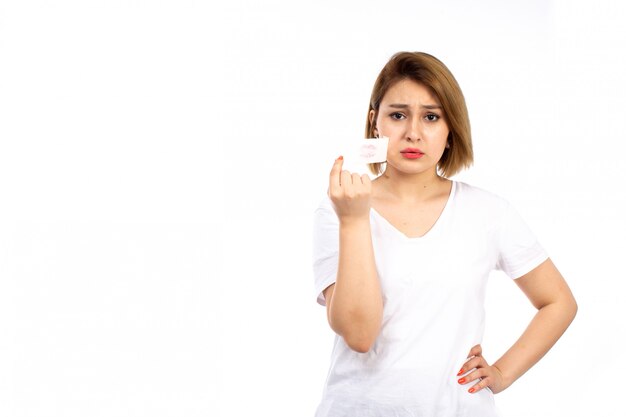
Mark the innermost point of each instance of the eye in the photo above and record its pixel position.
(397, 116)
(432, 117)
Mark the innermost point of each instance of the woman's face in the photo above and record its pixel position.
(413, 120)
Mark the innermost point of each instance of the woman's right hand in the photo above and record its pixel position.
(349, 192)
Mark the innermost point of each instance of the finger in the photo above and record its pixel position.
(356, 179)
(467, 366)
(472, 376)
(477, 387)
(475, 351)
(365, 179)
(346, 178)
(335, 178)
(475, 362)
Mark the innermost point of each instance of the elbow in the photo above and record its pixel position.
(361, 340)
(360, 348)
(360, 345)
(358, 338)
(571, 306)
(567, 307)
(574, 308)
(358, 331)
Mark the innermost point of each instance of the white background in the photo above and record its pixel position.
(160, 162)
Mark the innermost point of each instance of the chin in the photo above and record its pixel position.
(411, 167)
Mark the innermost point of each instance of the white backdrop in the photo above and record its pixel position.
(160, 162)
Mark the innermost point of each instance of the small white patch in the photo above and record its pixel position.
(374, 150)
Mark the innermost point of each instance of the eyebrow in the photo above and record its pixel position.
(405, 106)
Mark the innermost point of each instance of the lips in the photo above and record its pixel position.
(412, 153)
(412, 150)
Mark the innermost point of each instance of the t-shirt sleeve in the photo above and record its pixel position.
(519, 251)
(325, 248)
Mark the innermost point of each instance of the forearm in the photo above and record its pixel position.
(356, 306)
(548, 325)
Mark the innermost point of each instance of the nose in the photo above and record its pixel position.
(414, 131)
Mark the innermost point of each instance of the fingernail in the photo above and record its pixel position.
(340, 157)
(460, 372)
(462, 380)
(471, 390)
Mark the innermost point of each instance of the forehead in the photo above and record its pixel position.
(409, 92)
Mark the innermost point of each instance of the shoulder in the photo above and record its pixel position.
(478, 198)
(473, 192)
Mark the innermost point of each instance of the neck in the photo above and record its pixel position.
(411, 188)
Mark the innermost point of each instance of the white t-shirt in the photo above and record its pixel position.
(433, 291)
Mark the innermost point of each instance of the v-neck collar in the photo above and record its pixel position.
(434, 227)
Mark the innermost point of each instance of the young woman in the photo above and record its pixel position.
(401, 263)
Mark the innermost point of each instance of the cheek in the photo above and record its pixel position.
(439, 134)
(388, 128)
(380, 123)
(438, 129)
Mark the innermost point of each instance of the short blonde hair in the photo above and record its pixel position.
(432, 73)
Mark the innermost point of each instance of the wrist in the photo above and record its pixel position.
(507, 380)
(349, 222)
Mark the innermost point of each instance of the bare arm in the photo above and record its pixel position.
(354, 303)
(549, 293)
(547, 290)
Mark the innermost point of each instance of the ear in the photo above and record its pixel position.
(372, 117)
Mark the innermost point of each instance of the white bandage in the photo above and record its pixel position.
(358, 153)
(374, 150)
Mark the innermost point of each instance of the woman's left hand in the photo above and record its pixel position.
(489, 376)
